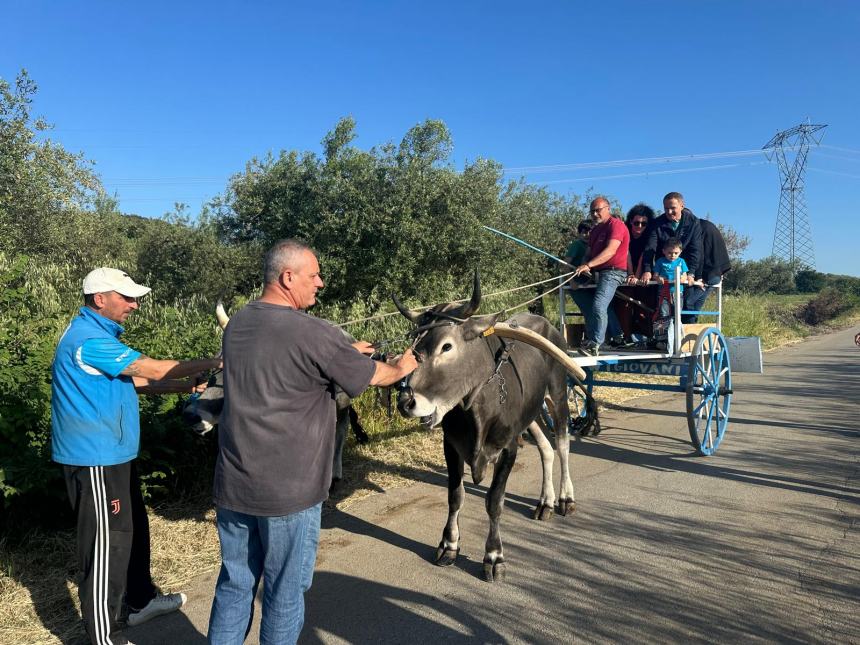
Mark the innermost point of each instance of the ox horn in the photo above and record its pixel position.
(221, 315)
(411, 315)
(544, 344)
(472, 306)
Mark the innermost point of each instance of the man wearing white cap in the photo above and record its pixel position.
(95, 436)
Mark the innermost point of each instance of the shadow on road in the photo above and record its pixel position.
(379, 613)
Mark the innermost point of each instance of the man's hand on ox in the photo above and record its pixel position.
(406, 362)
(400, 367)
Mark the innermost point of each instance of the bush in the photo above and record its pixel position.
(770, 275)
(27, 339)
(810, 281)
(826, 306)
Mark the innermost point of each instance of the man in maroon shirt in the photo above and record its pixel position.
(608, 245)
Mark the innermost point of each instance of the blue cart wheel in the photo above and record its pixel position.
(709, 391)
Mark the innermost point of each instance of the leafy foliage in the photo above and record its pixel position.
(736, 244)
(395, 218)
(27, 340)
(43, 187)
(770, 275)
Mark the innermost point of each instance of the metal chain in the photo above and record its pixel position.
(497, 373)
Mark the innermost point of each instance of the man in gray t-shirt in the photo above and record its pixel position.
(276, 441)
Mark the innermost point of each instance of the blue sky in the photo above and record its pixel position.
(170, 99)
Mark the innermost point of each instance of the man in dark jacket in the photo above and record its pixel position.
(715, 264)
(678, 222)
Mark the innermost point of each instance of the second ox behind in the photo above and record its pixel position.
(486, 391)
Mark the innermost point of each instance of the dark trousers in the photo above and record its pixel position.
(112, 545)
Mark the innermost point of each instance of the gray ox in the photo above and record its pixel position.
(486, 392)
(203, 412)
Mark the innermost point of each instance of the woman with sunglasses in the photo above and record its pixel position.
(635, 323)
(639, 219)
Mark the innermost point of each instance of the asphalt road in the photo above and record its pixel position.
(758, 543)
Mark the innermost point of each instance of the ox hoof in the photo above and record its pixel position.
(543, 512)
(566, 506)
(494, 571)
(445, 556)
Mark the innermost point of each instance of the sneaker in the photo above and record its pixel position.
(158, 606)
(620, 342)
(589, 349)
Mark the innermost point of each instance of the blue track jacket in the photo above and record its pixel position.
(95, 420)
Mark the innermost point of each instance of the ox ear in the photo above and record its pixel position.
(475, 301)
(412, 316)
(475, 327)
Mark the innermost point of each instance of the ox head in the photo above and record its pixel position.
(203, 411)
(452, 361)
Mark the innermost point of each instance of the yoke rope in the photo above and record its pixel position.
(569, 277)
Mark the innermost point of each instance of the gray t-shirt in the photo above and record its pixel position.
(276, 436)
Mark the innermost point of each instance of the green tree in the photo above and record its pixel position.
(180, 258)
(43, 187)
(736, 244)
(770, 275)
(396, 218)
(810, 281)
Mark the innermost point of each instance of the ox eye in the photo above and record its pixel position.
(447, 347)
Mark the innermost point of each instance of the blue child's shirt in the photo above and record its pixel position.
(666, 269)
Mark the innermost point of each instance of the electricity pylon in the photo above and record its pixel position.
(792, 238)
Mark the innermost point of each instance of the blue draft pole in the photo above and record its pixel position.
(528, 246)
(549, 255)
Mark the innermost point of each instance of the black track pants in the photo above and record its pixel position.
(139, 589)
(100, 496)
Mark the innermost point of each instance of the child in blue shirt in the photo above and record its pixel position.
(664, 273)
(664, 268)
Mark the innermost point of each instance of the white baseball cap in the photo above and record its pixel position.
(104, 279)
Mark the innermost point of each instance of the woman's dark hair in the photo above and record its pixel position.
(640, 210)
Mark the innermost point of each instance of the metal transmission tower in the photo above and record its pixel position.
(792, 238)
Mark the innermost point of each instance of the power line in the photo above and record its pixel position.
(824, 154)
(852, 150)
(648, 173)
(834, 172)
(632, 162)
